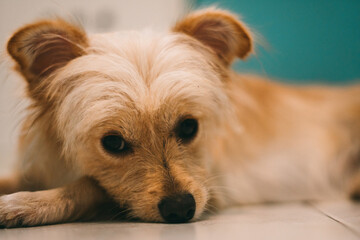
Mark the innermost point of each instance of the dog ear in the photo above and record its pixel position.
(43, 47)
(219, 30)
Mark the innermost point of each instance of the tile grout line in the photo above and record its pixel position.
(351, 229)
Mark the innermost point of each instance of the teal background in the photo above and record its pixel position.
(308, 40)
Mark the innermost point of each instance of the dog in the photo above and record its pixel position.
(157, 127)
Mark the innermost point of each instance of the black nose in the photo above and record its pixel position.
(178, 208)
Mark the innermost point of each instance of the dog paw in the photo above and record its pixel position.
(20, 209)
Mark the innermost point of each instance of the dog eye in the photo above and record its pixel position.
(114, 144)
(187, 129)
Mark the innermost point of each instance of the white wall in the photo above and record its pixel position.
(95, 16)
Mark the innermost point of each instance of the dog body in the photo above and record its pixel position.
(160, 125)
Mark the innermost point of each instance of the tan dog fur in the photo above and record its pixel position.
(258, 141)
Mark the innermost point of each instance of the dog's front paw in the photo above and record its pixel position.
(21, 209)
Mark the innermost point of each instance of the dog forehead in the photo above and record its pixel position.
(127, 74)
(142, 67)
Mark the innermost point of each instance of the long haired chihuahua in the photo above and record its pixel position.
(157, 127)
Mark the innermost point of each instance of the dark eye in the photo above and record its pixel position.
(187, 129)
(114, 144)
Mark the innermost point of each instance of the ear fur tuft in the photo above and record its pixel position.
(219, 30)
(44, 46)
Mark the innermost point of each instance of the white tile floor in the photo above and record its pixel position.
(326, 220)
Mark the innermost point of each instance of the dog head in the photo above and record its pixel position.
(137, 111)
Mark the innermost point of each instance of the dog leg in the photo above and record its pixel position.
(9, 185)
(67, 203)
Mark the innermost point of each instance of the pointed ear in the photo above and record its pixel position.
(219, 30)
(42, 47)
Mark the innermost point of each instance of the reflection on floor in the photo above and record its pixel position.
(324, 220)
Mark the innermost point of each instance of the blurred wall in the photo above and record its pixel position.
(309, 40)
(94, 15)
